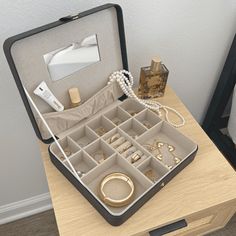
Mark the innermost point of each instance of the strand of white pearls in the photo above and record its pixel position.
(126, 81)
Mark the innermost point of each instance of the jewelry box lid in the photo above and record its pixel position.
(30, 54)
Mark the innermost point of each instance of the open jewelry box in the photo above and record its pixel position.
(107, 133)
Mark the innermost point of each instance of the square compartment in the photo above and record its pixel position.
(133, 128)
(117, 115)
(99, 151)
(117, 164)
(148, 118)
(67, 144)
(132, 107)
(83, 136)
(152, 169)
(82, 163)
(169, 138)
(101, 125)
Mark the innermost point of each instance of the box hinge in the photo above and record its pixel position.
(69, 18)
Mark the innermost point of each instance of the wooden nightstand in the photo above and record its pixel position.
(203, 194)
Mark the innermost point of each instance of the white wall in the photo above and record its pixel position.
(192, 37)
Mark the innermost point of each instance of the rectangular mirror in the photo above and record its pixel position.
(76, 56)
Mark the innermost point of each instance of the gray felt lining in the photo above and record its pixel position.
(28, 57)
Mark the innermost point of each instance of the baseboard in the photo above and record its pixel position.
(24, 208)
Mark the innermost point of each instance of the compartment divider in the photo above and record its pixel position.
(101, 124)
(122, 109)
(99, 146)
(149, 117)
(136, 120)
(108, 121)
(81, 162)
(92, 131)
(152, 164)
(74, 143)
(133, 128)
(117, 115)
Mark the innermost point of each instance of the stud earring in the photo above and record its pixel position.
(171, 149)
(168, 166)
(159, 144)
(100, 131)
(151, 175)
(159, 157)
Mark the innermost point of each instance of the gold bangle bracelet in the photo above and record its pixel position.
(114, 202)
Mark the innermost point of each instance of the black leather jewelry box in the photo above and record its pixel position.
(98, 36)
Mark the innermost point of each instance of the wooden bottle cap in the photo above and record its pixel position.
(74, 96)
(156, 64)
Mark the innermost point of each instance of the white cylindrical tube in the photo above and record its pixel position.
(45, 93)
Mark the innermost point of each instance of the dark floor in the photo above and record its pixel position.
(44, 224)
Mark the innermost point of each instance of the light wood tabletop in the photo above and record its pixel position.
(204, 193)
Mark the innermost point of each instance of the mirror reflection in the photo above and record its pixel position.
(67, 60)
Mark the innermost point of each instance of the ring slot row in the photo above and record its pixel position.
(125, 146)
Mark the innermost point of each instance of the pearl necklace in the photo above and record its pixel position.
(126, 81)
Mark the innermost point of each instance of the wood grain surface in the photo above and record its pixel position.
(208, 183)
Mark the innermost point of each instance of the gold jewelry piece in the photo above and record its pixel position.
(118, 142)
(159, 144)
(150, 147)
(114, 202)
(132, 113)
(159, 157)
(83, 144)
(100, 131)
(117, 121)
(67, 152)
(171, 150)
(136, 156)
(151, 175)
(99, 153)
(128, 152)
(80, 173)
(123, 147)
(113, 138)
(147, 124)
(153, 148)
(168, 166)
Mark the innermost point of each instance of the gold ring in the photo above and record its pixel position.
(114, 202)
(118, 142)
(114, 138)
(123, 147)
(135, 157)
